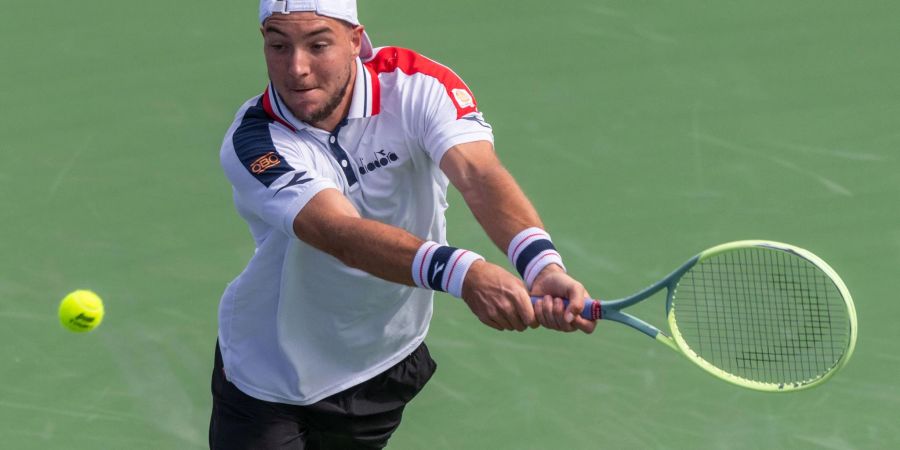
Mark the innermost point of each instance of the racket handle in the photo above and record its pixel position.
(591, 309)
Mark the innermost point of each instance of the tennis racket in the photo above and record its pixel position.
(760, 314)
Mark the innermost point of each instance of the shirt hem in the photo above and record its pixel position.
(365, 376)
(464, 138)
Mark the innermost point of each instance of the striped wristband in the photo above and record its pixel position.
(530, 251)
(442, 268)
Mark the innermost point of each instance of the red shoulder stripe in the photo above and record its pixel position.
(267, 106)
(376, 89)
(409, 62)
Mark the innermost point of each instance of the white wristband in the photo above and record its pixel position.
(531, 251)
(442, 268)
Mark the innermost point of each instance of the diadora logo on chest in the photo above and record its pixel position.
(379, 159)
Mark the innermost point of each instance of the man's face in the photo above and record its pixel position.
(311, 61)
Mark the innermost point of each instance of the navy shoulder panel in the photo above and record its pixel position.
(254, 146)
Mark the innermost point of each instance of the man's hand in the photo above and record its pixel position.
(498, 298)
(554, 285)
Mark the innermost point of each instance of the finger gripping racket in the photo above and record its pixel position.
(762, 315)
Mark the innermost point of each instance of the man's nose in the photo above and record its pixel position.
(299, 65)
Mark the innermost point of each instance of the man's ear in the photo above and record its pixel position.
(356, 39)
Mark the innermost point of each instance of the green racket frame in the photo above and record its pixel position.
(612, 310)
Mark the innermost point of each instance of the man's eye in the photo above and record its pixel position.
(277, 47)
(319, 47)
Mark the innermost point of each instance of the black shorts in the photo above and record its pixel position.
(362, 417)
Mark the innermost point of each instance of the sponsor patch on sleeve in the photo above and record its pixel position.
(253, 145)
(463, 98)
(264, 163)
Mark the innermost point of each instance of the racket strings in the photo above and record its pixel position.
(762, 314)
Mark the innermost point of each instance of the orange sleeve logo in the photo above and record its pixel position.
(265, 162)
(463, 98)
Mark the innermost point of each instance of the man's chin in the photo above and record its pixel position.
(312, 109)
(305, 111)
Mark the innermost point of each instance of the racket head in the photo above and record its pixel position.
(763, 315)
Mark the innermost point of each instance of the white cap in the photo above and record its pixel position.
(338, 9)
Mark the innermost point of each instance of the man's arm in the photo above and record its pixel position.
(330, 223)
(503, 210)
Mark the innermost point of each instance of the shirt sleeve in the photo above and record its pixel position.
(451, 116)
(271, 175)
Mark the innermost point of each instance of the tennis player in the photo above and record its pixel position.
(341, 168)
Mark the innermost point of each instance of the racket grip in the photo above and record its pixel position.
(591, 310)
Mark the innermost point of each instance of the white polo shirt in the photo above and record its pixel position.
(297, 325)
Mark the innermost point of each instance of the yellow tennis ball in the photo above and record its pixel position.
(81, 311)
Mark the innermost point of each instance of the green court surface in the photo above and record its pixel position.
(643, 131)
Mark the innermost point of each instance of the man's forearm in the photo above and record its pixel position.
(490, 192)
(379, 249)
(331, 224)
(500, 206)
(502, 209)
